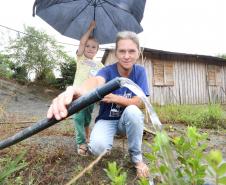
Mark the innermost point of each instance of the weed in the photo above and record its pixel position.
(10, 166)
(115, 174)
(216, 168)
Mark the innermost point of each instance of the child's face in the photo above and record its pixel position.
(91, 49)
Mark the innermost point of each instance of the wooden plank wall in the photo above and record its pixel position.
(190, 83)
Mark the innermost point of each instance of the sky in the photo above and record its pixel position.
(183, 26)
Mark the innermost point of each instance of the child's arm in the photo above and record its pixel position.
(84, 39)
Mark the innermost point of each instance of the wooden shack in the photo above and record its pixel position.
(179, 78)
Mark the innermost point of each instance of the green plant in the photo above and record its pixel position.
(68, 70)
(11, 166)
(114, 173)
(143, 181)
(5, 71)
(5, 66)
(20, 74)
(182, 160)
(162, 161)
(190, 153)
(216, 167)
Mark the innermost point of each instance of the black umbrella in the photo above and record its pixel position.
(72, 17)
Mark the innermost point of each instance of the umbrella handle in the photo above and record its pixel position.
(94, 15)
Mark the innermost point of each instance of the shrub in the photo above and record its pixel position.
(5, 71)
(181, 160)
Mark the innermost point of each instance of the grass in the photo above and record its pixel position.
(202, 116)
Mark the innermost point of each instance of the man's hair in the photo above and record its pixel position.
(127, 35)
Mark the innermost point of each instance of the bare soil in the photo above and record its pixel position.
(51, 154)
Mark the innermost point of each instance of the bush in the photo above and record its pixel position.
(182, 160)
(5, 71)
(5, 66)
(46, 77)
(177, 161)
(20, 74)
(68, 72)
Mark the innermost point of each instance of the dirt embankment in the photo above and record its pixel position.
(24, 102)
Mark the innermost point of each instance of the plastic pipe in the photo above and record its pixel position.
(74, 107)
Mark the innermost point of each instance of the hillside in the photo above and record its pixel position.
(24, 102)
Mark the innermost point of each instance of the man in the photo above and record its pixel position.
(119, 111)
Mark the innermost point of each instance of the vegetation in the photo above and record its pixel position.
(202, 116)
(5, 67)
(217, 168)
(115, 175)
(33, 54)
(181, 160)
(9, 166)
(223, 56)
(67, 72)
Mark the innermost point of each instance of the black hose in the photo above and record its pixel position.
(74, 107)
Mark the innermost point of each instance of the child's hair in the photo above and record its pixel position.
(94, 39)
(127, 35)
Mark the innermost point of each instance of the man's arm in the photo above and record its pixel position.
(123, 101)
(84, 39)
(58, 108)
(91, 83)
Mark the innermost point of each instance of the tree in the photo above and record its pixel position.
(68, 72)
(5, 66)
(37, 52)
(224, 56)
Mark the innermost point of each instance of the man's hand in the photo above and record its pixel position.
(110, 98)
(122, 101)
(58, 108)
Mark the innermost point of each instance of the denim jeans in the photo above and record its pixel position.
(130, 124)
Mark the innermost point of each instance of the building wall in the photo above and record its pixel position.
(194, 81)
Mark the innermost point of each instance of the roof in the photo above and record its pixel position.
(167, 55)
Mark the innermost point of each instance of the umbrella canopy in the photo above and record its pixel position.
(72, 17)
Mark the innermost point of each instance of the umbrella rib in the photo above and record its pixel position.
(81, 11)
(36, 2)
(117, 6)
(120, 7)
(109, 16)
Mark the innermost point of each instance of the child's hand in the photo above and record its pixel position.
(92, 25)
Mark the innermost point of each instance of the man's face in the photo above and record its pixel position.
(127, 53)
(91, 49)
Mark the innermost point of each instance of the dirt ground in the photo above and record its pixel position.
(51, 154)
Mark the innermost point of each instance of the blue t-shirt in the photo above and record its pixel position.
(112, 111)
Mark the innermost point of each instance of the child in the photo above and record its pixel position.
(86, 67)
